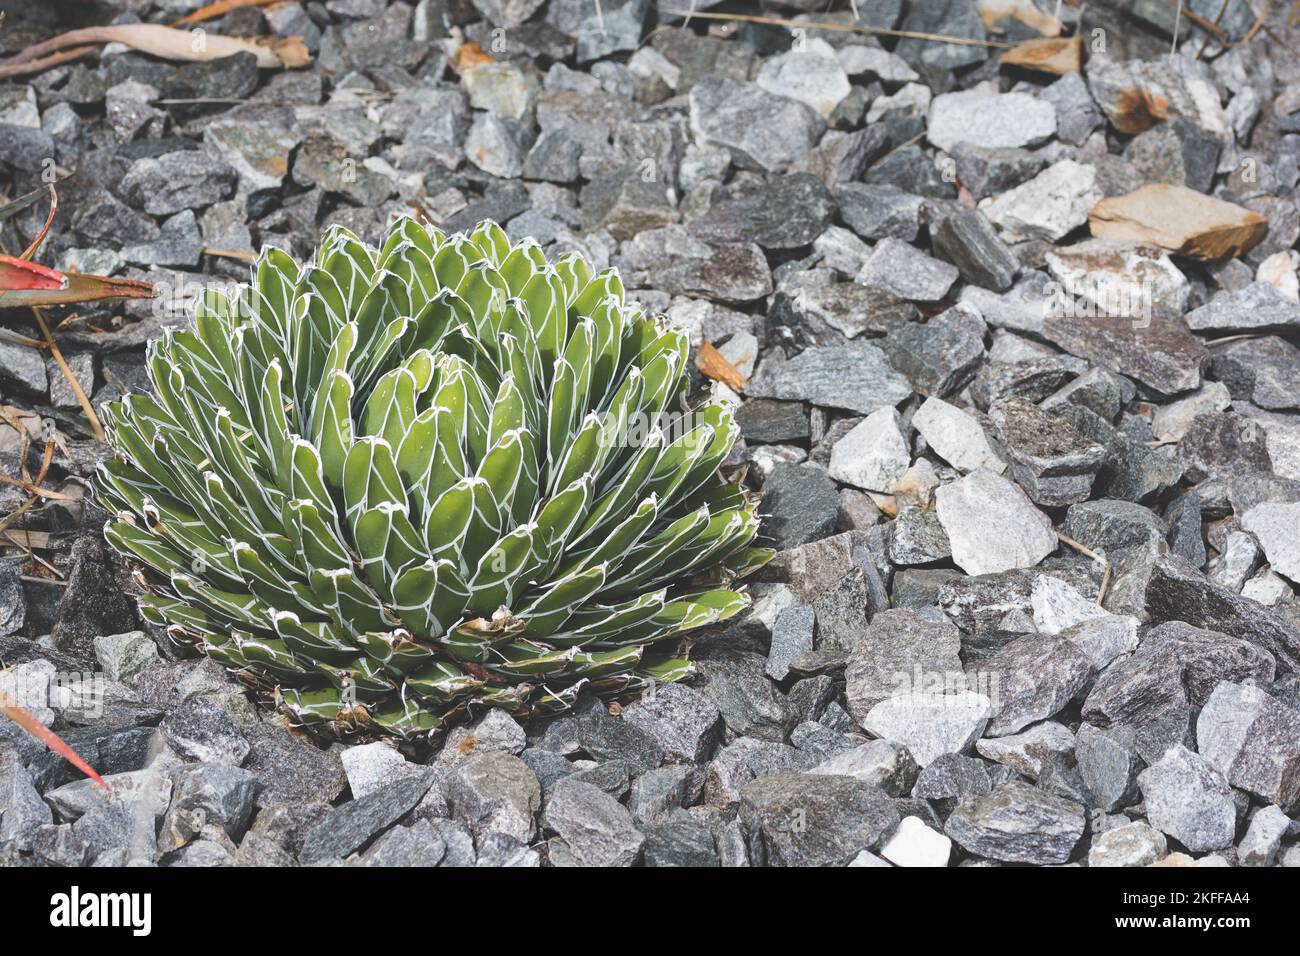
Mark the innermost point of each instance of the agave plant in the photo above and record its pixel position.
(395, 483)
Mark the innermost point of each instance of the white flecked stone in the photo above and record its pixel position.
(992, 525)
(874, 453)
(956, 436)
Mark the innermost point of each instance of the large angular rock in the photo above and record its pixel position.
(1033, 678)
(1032, 752)
(1109, 764)
(967, 240)
(900, 652)
(941, 355)
(1173, 672)
(856, 377)
(788, 212)
(956, 436)
(1189, 800)
(761, 130)
(355, 823)
(930, 723)
(1180, 220)
(597, 828)
(1264, 370)
(991, 120)
(874, 454)
(992, 525)
(1253, 739)
(737, 683)
(813, 820)
(903, 270)
(1159, 352)
(1259, 306)
(800, 502)
(1018, 823)
(1176, 591)
(1055, 202)
(494, 792)
(1052, 461)
(685, 724)
(812, 75)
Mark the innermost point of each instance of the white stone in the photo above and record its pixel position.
(867, 858)
(983, 118)
(1134, 844)
(1170, 422)
(930, 724)
(992, 525)
(371, 766)
(741, 351)
(1279, 271)
(915, 844)
(1263, 837)
(955, 436)
(1275, 526)
(812, 76)
(1120, 278)
(1057, 605)
(874, 453)
(857, 59)
(1053, 203)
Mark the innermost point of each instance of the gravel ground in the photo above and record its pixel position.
(1015, 347)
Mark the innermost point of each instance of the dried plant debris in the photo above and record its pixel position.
(1002, 299)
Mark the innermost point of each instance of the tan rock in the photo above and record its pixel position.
(1179, 219)
(1055, 55)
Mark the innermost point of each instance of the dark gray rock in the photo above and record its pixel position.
(1033, 678)
(800, 502)
(738, 685)
(899, 650)
(290, 769)
(948, 18)
(761, 130)
(941, 355)
(1161, 354)
(792, 635)
(1172, 672)
(772, 421)
(787, 212)
(856, 377)
(1221, 443)
(177, 181)
(1109, 764)
(880, 211)
(414, 845)
(968, 241)
(596, 827)
(22, 811)
(680, 842)
(807, 820)
(495, 792)
(1114, 527)
(1018, 823)
(1264, 370)
(918, 538)
(355, 823)
(1176, 591)
(683, 722)
(746, 759)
